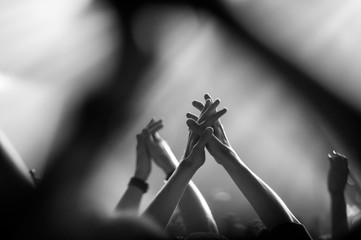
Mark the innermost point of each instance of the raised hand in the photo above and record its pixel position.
(161, 208)
(219, 145)
(130, 201)
(195, 212)
(337, 178)
(160, 151)
(143, 163)
(338, 173)
(208, 117)
(268, 205)
(217, 126)
(196, 156)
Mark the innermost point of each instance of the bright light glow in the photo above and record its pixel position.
(49, 49)
(5, 83)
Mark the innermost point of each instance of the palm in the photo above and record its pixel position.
(143, 167)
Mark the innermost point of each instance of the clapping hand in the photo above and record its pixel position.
(159, 150)
(143, 164)
(219, 145)
(208, 117)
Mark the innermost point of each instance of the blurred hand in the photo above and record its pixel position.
(338, 173)
(143, 159)
(160, 151)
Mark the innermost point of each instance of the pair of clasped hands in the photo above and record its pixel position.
(206, 130)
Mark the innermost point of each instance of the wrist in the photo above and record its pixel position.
(188, 166)
(141, 175)
(139, 183)
(168, 168)
(228, 158)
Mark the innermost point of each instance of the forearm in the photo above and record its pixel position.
(195, 211)
(339, 216)
(268, 205)
(130, 200)
(163, 205)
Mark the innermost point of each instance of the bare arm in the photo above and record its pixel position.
(193, 207)
(268, 205)
(167, 199)
(163, 205)
(337, 178)
(132, 197)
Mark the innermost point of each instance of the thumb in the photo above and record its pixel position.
(205, 137)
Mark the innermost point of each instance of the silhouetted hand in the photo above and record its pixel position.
(338, 173)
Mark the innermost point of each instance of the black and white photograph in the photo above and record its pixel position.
(180, 119)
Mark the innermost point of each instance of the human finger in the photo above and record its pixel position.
(150, 122)
(205, 137)
(157, 137)
(213, 118)
(198, 105)
(156, 126)
(147, 136)
(206, 105)
(194, 126)
(192, 116)
(212, 108)
(207, 96)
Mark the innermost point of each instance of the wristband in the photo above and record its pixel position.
(169, 175)
(139, 183)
